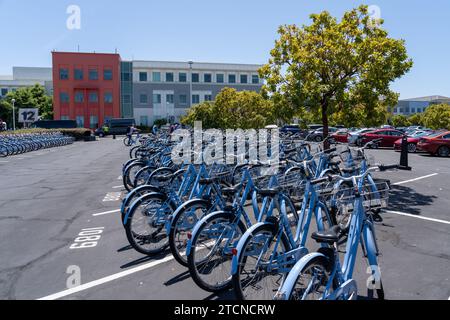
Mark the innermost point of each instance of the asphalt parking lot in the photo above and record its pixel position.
(49, 198)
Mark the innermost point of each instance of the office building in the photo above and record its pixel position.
(23, 77)
(418, 105)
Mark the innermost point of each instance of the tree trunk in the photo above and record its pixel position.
(326, 144)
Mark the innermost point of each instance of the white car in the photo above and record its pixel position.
(353, 136)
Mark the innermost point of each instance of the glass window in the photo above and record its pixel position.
(64, 97)
(156, 76)
(93, 97)
(244, 78)
(447, 137)
(108, 97)
(195, 77)
(126, 98)
(107, 74)
(144, 121)
(143, 76)
(64, 74)
(182, 77)
(169, 77)
(65, 118)
(255, 79)
(195, 98)
(207, 78)
(156, 98)
(231, 78)
(169, 98)
(219, 78)
(143, 98)
(183, 99)
(78, 74)
(208, 97)
(80, 121)
(4, 91)
(93, 74)
(126, 76)
(79, 97)
(93, 122)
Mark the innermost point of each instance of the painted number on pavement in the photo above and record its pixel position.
(87, 238)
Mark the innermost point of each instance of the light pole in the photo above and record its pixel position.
(14, 114)
(190, 82)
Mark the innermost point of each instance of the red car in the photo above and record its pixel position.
(437, 144)
(412, 142)
(388, 136)
(341, 136)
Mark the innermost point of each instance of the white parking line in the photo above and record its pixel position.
(117, 187)
(112, 196)
(119, 178)
(418, 217)
(104, 213)
(4, 161)
(416, 179)
(99, 282)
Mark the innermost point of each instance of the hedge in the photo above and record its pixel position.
(78, 133)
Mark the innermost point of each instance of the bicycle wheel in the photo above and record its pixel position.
(210, 257)
(127, 142)
(184, 222)
(145, 227)
(130, 174)
(311, 281)
(258, 276)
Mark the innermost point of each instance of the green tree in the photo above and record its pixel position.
(400, 120)
(29, 97)
(232, 110)
(437, 117)
(331, 66)
(416, 119)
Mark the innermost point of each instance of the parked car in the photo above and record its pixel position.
(341, 136)
(436, 144)
(292, 128)
(317, 135)
(413, 140)
(388, 136)
(387, 127)
(355, 135)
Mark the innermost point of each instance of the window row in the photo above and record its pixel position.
(183, 98)
(207, 78)
(78, 74)
(92, 97)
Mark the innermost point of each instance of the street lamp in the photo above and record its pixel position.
(14, 114)
(190, 82)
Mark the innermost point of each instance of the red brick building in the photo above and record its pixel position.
(86, 87)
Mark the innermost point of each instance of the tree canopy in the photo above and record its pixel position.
(29, 97)
(233, 109)
(333, 67)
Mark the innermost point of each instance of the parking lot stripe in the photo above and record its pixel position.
(117, 187)
(104, 213)
(418, 217)
(110, 278)
(416, 179)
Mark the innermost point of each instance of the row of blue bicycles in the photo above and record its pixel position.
(286, 232)
(11, 145)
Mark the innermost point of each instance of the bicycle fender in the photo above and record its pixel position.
(289, 283)
(138, 201)
(241, 243)
(197, 227)
(130, 196)
(184, 205)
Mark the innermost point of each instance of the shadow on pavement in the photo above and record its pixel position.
(405, 199)
(181, 277)
(146, 259)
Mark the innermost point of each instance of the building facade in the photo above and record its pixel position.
(86, 87)
(166, 90)
(418, 105)
(23, 77)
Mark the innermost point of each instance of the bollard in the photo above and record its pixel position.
(404, 158)
(114, 137)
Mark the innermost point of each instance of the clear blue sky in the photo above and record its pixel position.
(213, 31)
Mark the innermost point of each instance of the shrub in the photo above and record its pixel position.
(160, 122)
(78, 133)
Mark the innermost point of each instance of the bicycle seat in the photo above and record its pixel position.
(328, 236)
(272, 192)
(351, 170)
(164, 178)
(231, 190)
